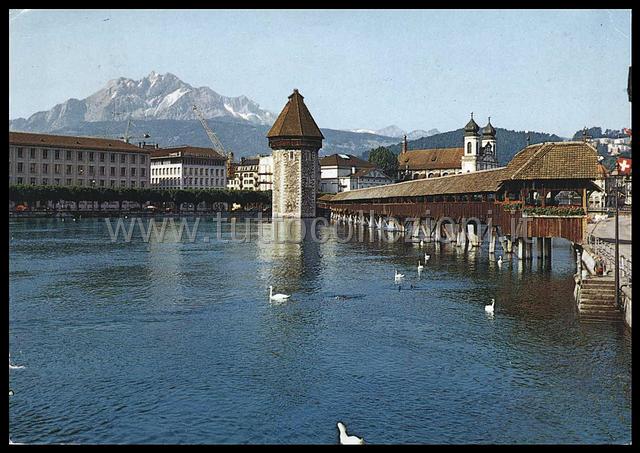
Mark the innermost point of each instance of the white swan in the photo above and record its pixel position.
(278, 297)
(346, 439)
(398, 275)
(500, 261)
(421, 242)
(489, 308)
(14, 367)
(426, 258)
(420, 266)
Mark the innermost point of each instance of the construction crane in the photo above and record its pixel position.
(128, 137)
(217, 145)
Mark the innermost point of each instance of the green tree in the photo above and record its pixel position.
(385, 160)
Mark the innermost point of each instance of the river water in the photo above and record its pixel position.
(177, 342)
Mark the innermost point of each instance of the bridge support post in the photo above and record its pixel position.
(539, 247)
(529, 244)
(547, 249)
(428, 222)
(492, 240)
(509, 244)
(438, 231)
(473, 237)
(520, 248)
(463, 237)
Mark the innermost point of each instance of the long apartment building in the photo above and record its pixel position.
(61, 160)
(188, 167)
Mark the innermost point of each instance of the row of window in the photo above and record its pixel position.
(188, 181)
(188, 171)
(57, 169)
(78, 182)
(80, 155)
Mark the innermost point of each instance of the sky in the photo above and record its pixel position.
(552, 71)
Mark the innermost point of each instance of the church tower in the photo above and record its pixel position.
(489, 157)
(295, 139)
(471, 146)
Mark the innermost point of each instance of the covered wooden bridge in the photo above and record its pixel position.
(541, 193)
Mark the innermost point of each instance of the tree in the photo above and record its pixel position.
(385, 160)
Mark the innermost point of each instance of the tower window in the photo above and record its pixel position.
(469, 148)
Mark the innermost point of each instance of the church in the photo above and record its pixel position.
(477, 153)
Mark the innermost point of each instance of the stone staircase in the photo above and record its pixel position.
(597, 300)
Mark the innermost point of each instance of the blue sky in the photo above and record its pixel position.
(548, 70)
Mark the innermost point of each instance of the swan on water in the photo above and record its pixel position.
(346, 439)
(277, 296)
(421, 242)
(500, 261)
(426, 258)
(489, 308)
(398, 275)
(420, 266)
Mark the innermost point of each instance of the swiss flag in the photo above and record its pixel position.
(623, 164)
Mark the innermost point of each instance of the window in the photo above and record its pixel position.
(133, 158)
(68, 181)
(19, 167)
(133, 183)
(19, 153)
(92, 170)
(32, 153)
(32, 168)
(56, 181)
(143, 159)
(32, 181)
(123, 158)
(56, 154)
(113, 171)
(102, 182)
(101, 171)
(80, 169)
(141, 183)
(101, 157)
(123, 171)
(469, 148)
(80, 155)
(123, 183)
(45, 168)
(113, 157)
(142, 171)
(68, 155)
(45, 154)
(68, 169)
(56, 169)
(91, 157)
(133, 171)
(45, 181)
(112, 183)
(20, 181)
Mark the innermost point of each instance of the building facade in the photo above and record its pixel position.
(295, 139)
(188, 167)
(342, 172)
(60, 160)
(477, 153)
(265, 172)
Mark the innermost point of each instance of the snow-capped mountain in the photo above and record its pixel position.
(157, 96)
(396, 132)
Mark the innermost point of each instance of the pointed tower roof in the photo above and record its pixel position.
(295, 120)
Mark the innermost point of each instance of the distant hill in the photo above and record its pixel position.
(242, 137)
(508, 142)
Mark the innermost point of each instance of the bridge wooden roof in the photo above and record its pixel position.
(558, 160)
(431, 159)
(555, 160)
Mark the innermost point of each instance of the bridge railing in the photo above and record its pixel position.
(607, 252)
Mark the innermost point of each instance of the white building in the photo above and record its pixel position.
(343, 172)
(265, 172)
(188, 167)
(62, 160)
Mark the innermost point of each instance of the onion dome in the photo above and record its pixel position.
(489, 130)
(471, 128)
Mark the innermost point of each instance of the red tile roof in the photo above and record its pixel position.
(73, 142)
(431, 159)
(187, 151)
(337, 160)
